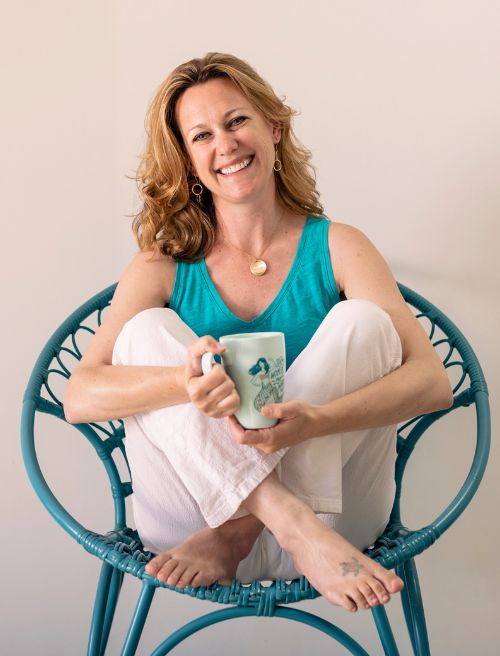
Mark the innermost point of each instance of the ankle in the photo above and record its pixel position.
(243, 530)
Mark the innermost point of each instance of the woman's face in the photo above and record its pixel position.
(230, 143)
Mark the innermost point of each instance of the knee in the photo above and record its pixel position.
(368, 325)
(362, 313)
(149, 321)
(150, 334)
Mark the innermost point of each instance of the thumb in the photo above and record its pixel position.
(276, 410)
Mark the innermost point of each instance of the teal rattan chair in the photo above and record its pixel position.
(122, 553)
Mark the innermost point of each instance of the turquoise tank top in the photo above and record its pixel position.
(305, 298)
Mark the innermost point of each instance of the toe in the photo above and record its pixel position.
(154, 566)
(379, 590)
(187, 577)
(396, 584)
(341, 600)
(358, 598)
(167, 569)
(176, 574)
(370, 597)
(391, 582)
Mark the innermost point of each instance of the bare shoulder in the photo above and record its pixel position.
(359, 268)
(146, 283)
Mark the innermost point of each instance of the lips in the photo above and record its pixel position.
(236, 167)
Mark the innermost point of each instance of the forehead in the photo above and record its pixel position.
(207, 102)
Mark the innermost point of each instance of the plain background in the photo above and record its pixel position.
(399, 104)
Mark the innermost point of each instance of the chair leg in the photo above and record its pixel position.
(114, 593)
(413, 608)
(100, 604)
(384, 631)
(137, 624)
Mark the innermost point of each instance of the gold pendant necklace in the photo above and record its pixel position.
(258, 266)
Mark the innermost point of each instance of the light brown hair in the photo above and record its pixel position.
(171, 219)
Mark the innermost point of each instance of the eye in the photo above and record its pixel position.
(197, 138)
(238, 120)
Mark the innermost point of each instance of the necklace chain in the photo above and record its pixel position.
(258, 266)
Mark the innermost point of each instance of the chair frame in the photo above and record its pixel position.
(122, 552)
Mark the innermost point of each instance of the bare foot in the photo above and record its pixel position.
(210, 555)
(340, 572)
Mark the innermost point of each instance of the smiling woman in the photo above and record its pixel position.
(224, 183)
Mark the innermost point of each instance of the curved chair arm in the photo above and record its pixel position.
(55, 508)
(34, 402)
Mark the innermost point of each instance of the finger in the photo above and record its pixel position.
(197, 349)
(279, 410)
(228, 406)
(222, 391)
(199, 387)
(253, 437)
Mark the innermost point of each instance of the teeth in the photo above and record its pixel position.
(236, 167)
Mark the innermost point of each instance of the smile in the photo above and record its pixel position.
(236, 167)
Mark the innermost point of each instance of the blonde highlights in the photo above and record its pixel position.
(171, 219)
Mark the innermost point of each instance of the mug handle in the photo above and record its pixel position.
(208, 361)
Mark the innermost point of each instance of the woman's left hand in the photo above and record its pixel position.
(298, 421)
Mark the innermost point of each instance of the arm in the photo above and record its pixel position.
(419, 386)
(99, 391)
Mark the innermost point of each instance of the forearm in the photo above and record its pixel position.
(409, 391)
(106, 392)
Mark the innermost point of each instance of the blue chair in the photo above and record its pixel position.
(121, 550)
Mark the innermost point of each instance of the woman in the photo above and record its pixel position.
(232, 239)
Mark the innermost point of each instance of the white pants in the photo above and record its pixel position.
(187, 472)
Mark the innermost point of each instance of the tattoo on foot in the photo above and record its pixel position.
(351, 567)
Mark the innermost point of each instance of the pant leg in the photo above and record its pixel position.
(348, 479)
(178, 453)
(355, 345)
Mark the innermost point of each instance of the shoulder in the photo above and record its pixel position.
(146, 283)
(352, 254)
(151, 272)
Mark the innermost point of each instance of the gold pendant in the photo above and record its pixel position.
(258, 267)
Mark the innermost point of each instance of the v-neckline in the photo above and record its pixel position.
(277, 299)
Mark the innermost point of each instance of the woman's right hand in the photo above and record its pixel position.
(214, 393)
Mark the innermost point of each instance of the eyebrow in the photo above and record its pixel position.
(224, 116)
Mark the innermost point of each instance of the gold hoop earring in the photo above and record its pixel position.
(277, 163)
(197, 190)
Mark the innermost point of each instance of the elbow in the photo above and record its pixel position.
(442, 391)
(72, 404)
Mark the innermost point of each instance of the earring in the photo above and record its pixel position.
(197, 190)
(277, 163)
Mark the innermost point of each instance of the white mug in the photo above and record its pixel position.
(255, 362)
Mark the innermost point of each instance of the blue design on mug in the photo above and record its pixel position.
(269, 376)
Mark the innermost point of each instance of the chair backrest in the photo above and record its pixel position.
(63, 351)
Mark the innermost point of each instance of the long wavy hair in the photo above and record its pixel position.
(171, 219)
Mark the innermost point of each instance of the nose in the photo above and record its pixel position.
(226, 144)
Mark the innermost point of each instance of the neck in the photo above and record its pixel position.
(249, 228)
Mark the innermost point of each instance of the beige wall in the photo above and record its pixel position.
(399, 103)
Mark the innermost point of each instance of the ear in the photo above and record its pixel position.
(276, 134)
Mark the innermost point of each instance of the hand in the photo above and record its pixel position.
(214, 393)
(297, 422)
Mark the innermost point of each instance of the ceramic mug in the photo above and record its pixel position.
(255, 362)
